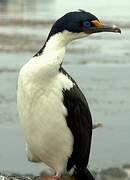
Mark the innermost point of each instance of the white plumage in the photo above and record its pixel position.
(41, 109)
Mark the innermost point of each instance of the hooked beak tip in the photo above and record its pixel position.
(112, 28)
(117, 30)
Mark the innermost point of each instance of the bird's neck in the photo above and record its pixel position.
(54, 48)
(53, 51)
(55, 44)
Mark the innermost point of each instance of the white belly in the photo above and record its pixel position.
(42, 114)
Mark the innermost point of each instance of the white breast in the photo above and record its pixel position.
(42, 114)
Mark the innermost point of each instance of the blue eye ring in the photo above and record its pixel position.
(86, 24)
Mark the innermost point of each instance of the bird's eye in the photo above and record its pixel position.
(86, 24)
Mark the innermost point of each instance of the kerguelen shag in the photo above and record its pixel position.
(54, 113)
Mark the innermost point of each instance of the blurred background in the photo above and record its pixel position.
(100, 64)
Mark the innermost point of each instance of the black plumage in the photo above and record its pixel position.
(79, 121)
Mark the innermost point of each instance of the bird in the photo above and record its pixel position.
(54, 113)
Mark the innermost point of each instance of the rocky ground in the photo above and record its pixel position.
(115, 173)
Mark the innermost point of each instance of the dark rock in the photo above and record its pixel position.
(10, 176)
(126, 166)
(113, 174)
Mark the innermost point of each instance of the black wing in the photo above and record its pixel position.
(80, 123)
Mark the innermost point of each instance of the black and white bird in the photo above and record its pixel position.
(54, 112)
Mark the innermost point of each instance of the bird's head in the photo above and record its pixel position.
(78, 24)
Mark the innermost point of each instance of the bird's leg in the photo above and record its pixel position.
(97, 125)
(57, 176)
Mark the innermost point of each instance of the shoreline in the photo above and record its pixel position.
(113, 173)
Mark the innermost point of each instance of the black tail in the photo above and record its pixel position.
(82, 174)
